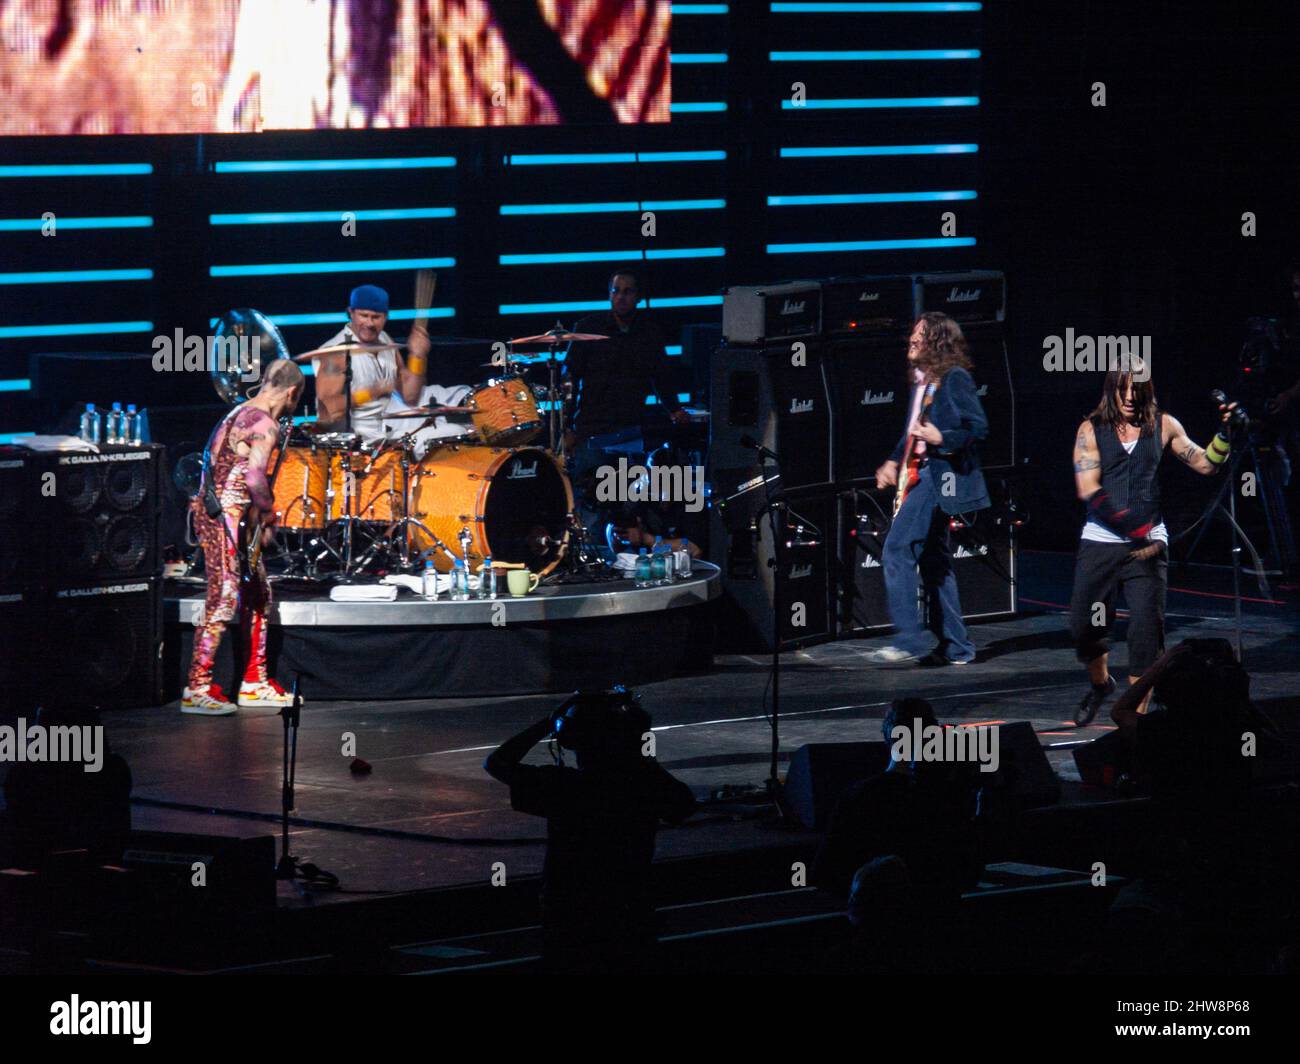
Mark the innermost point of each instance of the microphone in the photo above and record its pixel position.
(1239, 418)
(753, 444)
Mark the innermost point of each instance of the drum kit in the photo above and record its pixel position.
(498, 489)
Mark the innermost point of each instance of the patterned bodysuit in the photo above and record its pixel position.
(230, 476)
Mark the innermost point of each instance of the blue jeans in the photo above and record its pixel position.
(918, 540)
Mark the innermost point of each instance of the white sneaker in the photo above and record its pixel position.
(890, 656)
(209, 701)
(263, 693)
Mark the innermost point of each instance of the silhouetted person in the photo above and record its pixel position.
(601, 819)
(919, 811)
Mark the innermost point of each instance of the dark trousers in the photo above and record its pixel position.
(1101, 572)
(918, 540)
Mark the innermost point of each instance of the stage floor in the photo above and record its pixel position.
(428, 816)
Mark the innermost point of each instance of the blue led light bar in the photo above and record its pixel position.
(869, 197)
(338, 318)
(553, 257)
(677, 58)
(20, 385)
(881, 102)
(697, 108)
(303, 217)
(291, 269)
(699, 9)
(858, 56)
(78, 170)
(610, 157)
(611, 207)
(879, 149)
(870, 245)
(288, 166)
(75, 276)
(23, 225)
(87, 328)
(14, 437)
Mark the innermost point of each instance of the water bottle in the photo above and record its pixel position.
(460, 582)
(91, 424)
(684, 558)
(487, 580)
(134, 426)
(642, 571)
(114, 431)
(429, 581)
(658, 569)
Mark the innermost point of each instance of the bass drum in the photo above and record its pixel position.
(514, 502)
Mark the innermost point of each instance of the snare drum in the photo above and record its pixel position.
(515, 504)
(299, 489)
(505, 413)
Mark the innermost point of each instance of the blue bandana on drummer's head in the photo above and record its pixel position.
(369, 297)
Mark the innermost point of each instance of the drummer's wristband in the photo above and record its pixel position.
(361, 396)
(416, 365)
(1219, 449)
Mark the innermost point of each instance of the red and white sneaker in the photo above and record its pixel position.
(209, 701)
(258, 694)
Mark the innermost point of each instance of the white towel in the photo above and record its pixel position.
(363, 593)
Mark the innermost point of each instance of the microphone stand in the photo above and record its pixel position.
(776, 508)
(287, 867)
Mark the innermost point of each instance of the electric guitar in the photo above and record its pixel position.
(909, 469)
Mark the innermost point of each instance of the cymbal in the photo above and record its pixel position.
(555, 337)
(340, 349)
(426, 411)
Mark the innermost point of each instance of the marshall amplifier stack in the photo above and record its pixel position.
(80, 575)
(810, 382)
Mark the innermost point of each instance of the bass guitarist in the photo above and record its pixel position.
(235, 498)
(935, 468)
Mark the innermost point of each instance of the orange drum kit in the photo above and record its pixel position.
(497, 490)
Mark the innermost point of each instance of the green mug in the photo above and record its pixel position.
(521, 582)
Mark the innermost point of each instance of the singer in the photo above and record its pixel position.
(1124, 543)
(936, 468)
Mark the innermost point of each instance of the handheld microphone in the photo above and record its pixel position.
(1239, 418)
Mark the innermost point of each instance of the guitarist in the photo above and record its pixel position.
(236, 495)
(935, 467)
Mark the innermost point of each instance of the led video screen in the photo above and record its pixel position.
(244, 66)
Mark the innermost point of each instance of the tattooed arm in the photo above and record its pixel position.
(1087, 462)
(1198, 458)
(254, 435)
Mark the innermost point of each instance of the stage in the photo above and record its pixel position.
(563, 636)
(417, 842)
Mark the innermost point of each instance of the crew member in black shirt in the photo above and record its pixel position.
(601, 820)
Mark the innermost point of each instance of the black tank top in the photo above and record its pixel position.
(1130, 479)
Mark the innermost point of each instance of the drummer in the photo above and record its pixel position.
(377, 376)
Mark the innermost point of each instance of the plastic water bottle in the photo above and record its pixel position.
(91, 424)
(658, 567)
(642, 571)
(487, 580)
(429, 581)
(115, 431)
(460, 582)
(684, 558)
(134, 426)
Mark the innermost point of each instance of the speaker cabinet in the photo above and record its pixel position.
(868, 376)
(775, 396)
(102, 643)
(800, 590)
(820, 773)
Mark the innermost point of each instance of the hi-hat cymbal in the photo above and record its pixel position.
(341, 349)
(554, 337)
(427, 411)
